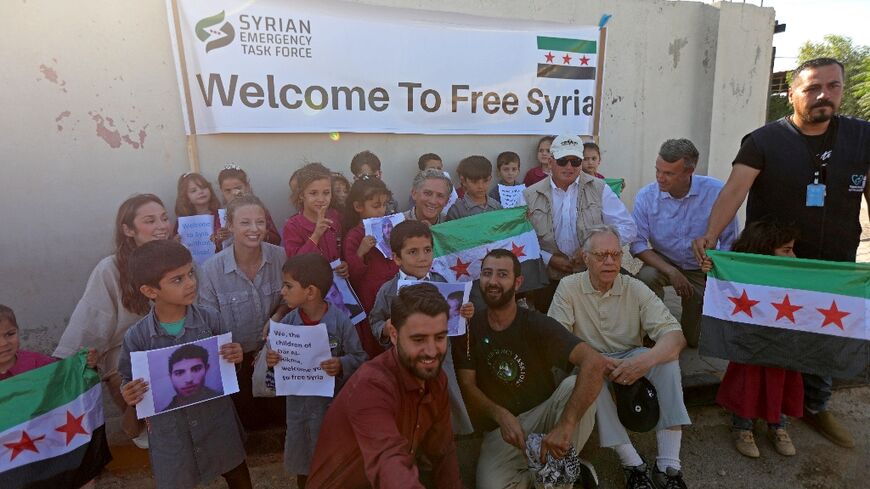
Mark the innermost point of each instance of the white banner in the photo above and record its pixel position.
(274, 66)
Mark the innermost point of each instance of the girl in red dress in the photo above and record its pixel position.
(196, 197)
(753, 391)
(544, 155)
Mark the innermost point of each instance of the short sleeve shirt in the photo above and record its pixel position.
(514, 367)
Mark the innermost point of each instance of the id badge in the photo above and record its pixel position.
(816, 195)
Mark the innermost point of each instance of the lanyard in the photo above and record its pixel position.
(820, 165)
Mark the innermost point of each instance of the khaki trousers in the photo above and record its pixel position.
(690, 319)
(504, 466)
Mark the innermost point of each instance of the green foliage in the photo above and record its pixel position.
(778, 107)
(856, 59)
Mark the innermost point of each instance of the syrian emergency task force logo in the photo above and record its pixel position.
(507, 366)
(215, 37)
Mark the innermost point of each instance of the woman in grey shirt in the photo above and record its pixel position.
(243, 283)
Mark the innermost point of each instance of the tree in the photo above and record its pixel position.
(856, 60)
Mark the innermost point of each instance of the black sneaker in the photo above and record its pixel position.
(671, 478)
(637, 478)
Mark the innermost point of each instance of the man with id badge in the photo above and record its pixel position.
(810, 169)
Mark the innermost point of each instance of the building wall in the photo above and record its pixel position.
(91, 116)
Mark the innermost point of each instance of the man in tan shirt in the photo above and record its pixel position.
(612, 312)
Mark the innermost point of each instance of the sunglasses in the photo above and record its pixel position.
(575, 162)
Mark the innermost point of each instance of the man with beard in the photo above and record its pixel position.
(505, 370)
(809, 168)
(394, 409)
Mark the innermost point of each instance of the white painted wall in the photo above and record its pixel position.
(91, 116)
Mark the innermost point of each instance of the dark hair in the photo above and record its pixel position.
(545, 138)
(421, 298)
(475, 167)
(183, 206)
(456, 295)
(305, 176)
(188, 351)
(337, 177)
(817, 63)
(150, 262)
(131, 299)
(506, 157)
(764, 236)
(242, 201)
(426, 157)
(361, 191)
(310, 269)
(364, 158)
(232, 171)
(7, 314)
(503, 253)
(406, 230)
(673, 150)
(593, 147)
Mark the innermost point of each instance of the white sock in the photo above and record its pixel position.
(669, 449)
(628, 456)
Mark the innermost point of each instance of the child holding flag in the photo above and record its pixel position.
(753, 391)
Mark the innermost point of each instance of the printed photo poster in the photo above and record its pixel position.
(456, 294)
(195, 233)
(302, 350)
(183, 375)
(380, 229)
(342, 296)
(511, 195)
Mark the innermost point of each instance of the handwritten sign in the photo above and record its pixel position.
(195, 232)
(511, 195)
(302, 349)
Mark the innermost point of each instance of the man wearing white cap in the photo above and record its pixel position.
(563, 206)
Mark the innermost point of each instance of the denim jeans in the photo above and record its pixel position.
(745, 424)
(817, 392)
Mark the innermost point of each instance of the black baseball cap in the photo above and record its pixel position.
(637, 405)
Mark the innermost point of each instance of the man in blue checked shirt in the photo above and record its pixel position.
(668, 214)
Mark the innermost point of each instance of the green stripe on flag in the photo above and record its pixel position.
(39, 391)
(471, 232)
(567, 45)
(844, 278)
(615, 184)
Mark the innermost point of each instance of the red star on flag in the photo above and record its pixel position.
(518, 251)
(460, 268)
(25, 443)
(584, 60)
(742, 304)
(833, 315)
(566, 59)
(72, 427)
(549, 57)
(785, 309)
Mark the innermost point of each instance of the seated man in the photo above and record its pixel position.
(394, 408)
(504, 367)
(563, 206)
(668, 213)
(612, 312)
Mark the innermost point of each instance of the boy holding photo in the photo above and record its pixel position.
(189, 446)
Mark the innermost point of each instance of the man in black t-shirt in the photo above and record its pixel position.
(811, 169)
(505, 370)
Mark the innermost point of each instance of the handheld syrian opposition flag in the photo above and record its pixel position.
(804, 315)
(52, 432)
(459, 246)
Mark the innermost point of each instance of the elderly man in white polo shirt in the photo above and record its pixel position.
(612, 312)
(563, 206)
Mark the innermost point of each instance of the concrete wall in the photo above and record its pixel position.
(91, 115)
